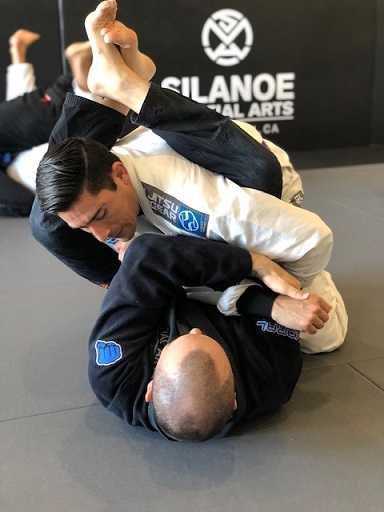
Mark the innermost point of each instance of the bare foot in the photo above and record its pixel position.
(107, 64)
(75, 48)
(19, 42)
(128, 43)
(23, 36)
(79, 57)
(109, 76)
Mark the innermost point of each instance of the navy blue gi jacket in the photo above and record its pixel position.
(146, 306)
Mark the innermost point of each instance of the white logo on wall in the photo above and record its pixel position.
(266, 98)
(230, 28)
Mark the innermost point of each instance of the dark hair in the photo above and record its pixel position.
(70, 167)
(195, 404)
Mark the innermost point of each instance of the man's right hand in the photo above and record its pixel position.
(308, 315)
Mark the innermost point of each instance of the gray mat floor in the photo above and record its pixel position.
(324, 451)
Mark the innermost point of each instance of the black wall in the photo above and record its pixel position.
(377, 136)
(327, 57)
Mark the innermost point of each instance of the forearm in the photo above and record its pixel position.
(170, 263)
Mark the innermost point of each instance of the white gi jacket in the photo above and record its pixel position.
(187, 199)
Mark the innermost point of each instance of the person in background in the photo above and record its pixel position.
(28, 116)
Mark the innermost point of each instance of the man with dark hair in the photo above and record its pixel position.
(179, 367)
(176, 195)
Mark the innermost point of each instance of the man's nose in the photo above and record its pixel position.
(101, 233)
(195, 330)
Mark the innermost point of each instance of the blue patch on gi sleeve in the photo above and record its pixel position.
(107, 352)
(192, 221)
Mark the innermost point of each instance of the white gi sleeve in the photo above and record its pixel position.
(20, 79)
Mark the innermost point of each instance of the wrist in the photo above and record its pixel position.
(258, 301)
(259, 263)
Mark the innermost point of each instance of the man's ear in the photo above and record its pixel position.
(148, 394)
(119, 172)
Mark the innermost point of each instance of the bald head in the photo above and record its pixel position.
(193, 388)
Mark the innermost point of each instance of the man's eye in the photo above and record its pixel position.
(101, 216)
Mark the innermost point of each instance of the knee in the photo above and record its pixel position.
(15, 199)
(319, 344)
(43, 225)
(19, 210)
(35, 220)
